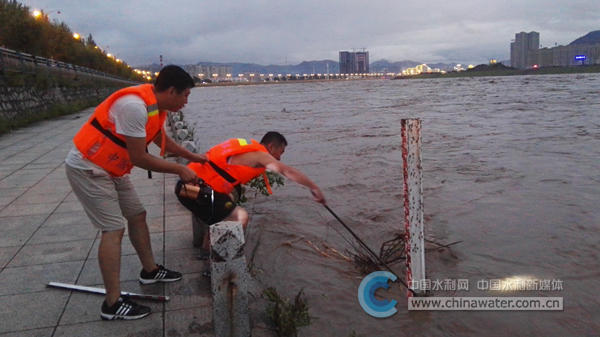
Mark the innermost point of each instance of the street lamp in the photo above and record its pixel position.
(40, 13)
(76, 36)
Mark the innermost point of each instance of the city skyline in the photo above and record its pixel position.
(270, 32)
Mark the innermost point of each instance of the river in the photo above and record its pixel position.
(511, 166)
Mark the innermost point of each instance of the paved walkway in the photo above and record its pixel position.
(45, 236)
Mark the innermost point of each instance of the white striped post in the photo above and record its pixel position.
(413, 204)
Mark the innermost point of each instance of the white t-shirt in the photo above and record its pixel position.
(129, 115)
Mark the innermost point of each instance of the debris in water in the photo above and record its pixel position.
(287, 317)
(316, 248)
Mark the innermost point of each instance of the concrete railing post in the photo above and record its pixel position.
(413, 203)
(229, 280)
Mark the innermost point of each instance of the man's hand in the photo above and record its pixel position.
(187, 175)
(198, 158)
(318, 195)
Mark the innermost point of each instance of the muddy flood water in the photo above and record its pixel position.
(511, 166)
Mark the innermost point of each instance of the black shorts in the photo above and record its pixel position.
(211, 207)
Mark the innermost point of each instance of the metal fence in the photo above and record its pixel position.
(13, 59)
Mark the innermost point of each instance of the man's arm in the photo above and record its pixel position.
(272, 164)
(172, 147)
(140, 158)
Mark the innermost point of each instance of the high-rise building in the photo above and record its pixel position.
(522, 46)
(525, 52)
(354, 62)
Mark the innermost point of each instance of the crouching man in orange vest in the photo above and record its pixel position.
(229, 165)
(107, 146)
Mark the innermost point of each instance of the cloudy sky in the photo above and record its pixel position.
(288, 32)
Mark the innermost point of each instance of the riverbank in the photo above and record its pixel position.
(500, 70)
(232, 83)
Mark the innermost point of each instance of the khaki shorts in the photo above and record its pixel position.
(105, 198)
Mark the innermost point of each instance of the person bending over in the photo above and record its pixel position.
(228, 166)
(106, 148)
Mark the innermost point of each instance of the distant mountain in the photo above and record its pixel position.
(589, 38)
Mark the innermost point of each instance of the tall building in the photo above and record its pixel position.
(354, 62)
(525, 51)
(521, 49)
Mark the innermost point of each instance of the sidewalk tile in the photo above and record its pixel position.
(30, 279)
(44, 332)
(37, 310)
(12, 192)
(23, 178)
(64, 232)
(151, 326)
(191, 292)
(33, 254)
(24, 210)
(69, 206)
(155, 224)
(181, 222)
(74, 218)
(6, 253)
(185, 260)
(15, 230)
(34, 196)
(178, 239)
(190, 322)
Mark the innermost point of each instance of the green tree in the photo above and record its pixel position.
(21, 31)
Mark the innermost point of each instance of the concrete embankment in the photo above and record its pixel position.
(32, 93)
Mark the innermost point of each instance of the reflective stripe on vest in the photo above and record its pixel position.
(222, 176)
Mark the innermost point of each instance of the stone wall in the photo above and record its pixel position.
(25, 102)
(31, 91)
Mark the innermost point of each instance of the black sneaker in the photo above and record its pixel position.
(123, 309)
(161, 274)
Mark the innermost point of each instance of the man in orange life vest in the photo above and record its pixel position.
(107, 146)
(230, 164)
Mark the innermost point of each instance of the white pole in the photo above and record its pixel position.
(413, 204)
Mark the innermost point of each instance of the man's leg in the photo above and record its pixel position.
(240, 215)
(109, 259)
(99, 198)
(140, 239)
(139, 235)
(133, 210)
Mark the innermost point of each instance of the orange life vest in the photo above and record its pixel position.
(221, 176)
(98, 141)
